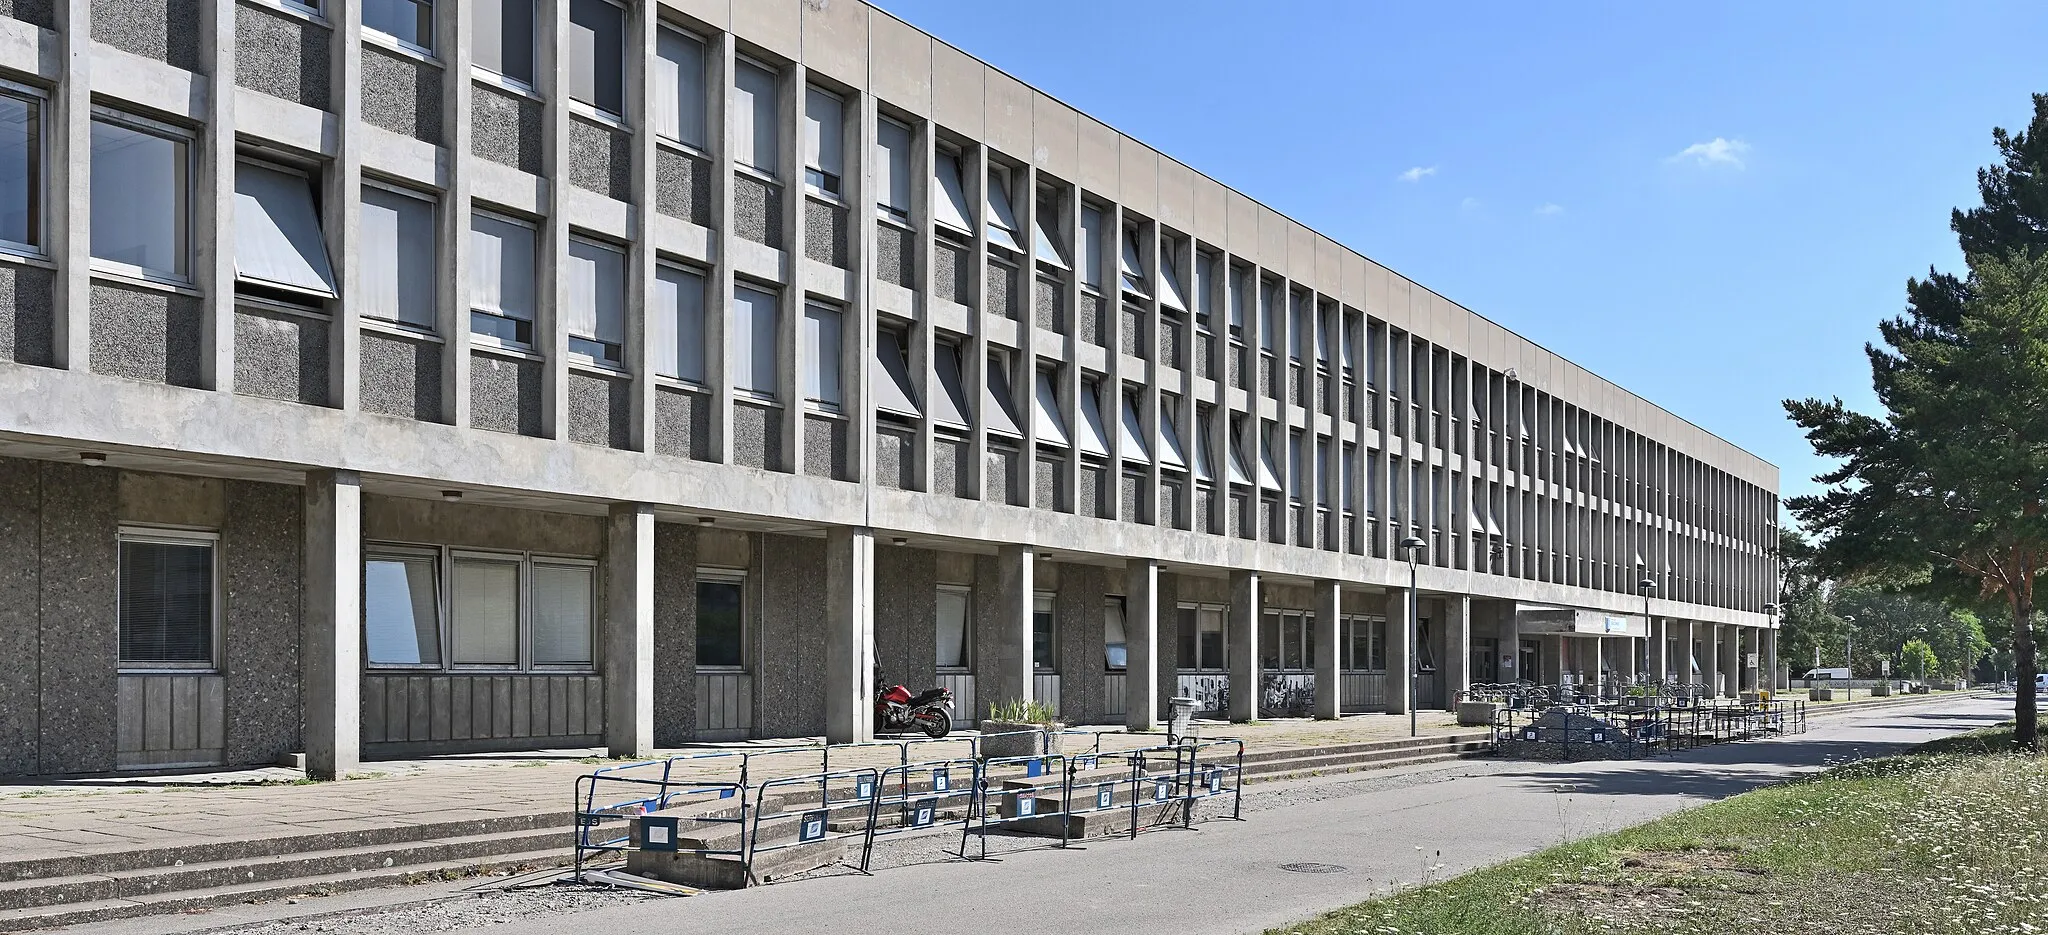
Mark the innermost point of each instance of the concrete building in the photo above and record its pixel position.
(634, 374)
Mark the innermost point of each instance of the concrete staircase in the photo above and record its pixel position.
(1276, 765)
(778, 856)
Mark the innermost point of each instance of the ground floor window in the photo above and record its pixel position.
(1287, 641)
(1200, 637)
(956, 646)
(1115, 645)
(721, 620)
(499, 610)
(1365, 644)
(1044, 648)
(168, 612)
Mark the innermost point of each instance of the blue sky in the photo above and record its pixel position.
(1709, 204)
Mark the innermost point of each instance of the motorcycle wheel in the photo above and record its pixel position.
(934, 724)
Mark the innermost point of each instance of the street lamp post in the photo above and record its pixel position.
(1849, 665)
(1771, 611)
(1412, 546)
(1647, 585)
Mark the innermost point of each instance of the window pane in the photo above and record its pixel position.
(953, 629)
(398, 257)
(485, 622)
(277, 230)
(949, 205)
(21, 173)
(501, 267)
(719, 628)
(824, 139)
(411, 21)
(139, 199)
(166, 603)
(401, 625)
(597, 32)
(754, 138)
(1212, 638)
(1091, 246)
(892, 168)
(502, 35)
(821, 344)
(677, 324)
(561, 615)
(1269, 641)
(1044, 653)
(679, 104)
(1290, 641)
(1114, 646)
(597, 293)
(1185, 655)
(753, 332)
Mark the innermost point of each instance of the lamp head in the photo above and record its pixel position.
(1411, 545)
(1647, 585)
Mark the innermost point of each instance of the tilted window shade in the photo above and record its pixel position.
(501, 36)
(1094, 436)
(953, 630)
(1322, 486)
(166, 603)
(1002, 222)
(1133, 431)
(894, 391)
(824, 132)
(500, 267)
(1269, 470)
(1171, 293)
(1297, 467)
(1205, 451)
(1350, 349)
(485, 622)
(397, 257)
(401, 611)
(949, 204)
(1052, 430)
(597, 293)
(1350, 471)
(1322, 336)
(676, 324)
(562, 614)
(1001, 411)
(949, 405)
(1171, 454)
(1238, 474)
(1269, 315)
(823, 352)
(277, 231)
(1133, 264)
(1091, 246)
(597, 42)
(680, 108)
(1239, 297)
(1297, 325)
(755, 142)
(892, 169)
(1205, 288)
(1048, 246)
(753, 332)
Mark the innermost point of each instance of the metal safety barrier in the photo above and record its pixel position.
(651, 786)
(918, 796)
(814, 825)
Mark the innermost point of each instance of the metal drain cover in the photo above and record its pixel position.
(1311, 868)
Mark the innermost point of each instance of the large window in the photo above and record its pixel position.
(501, 38)
(824, 140)
(949, 196)
(822, 385)
(141, 196)
(501, 289)
(721, 620)
(397, 257)
(1044, 628)
(167, 589)
(1091, 246)
(1200, 636)
(21, 171)
(409, 21)
(680, 104)
(597, 42)
(956, 634)
(504, 610)
(278, 244)
(1115, 644)
(676, 323)
(892, 170)
(1286, 641)
(752, 328)
(595, 317)
(755, 142)
(1365, 644)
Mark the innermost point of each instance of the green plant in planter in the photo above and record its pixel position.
(1638, 691)
(1022, 712)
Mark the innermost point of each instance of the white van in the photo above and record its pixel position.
(2041, 683)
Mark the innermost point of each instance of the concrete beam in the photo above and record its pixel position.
(331, 664)
(629, 631)
(1141, 644)
(1243, 630)
(1329, 649)
(850, 634)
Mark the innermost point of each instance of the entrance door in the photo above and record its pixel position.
(1530, 660)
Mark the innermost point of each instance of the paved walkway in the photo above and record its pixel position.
(129, 813)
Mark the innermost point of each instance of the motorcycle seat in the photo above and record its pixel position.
(930, 695)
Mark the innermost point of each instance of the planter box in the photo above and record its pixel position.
(1043, 739)
(1820, 694)
(1881, 690)
(1476, 713)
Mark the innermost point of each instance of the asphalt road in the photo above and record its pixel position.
(1225, 877)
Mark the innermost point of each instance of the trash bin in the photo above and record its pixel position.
(1180, 721)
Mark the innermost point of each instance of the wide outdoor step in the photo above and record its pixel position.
(730, 872)
(81, 913)
(1309, 759)
(1402, 743)
(1305, 772)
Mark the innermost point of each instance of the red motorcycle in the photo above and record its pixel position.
(896, 709)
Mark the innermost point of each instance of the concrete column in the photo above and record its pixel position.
(1660, 651)
(1457, 664)
(1329, 649)
(1141, 644)
(1731, 659)
(1243, 630)
(1710, 657)
(1011, 679)
(1400, 652)
(330, 660)
(1770, 660)
(1552, 663)
(1511, 648)
(1596, 663)
(629, 631)
(850, 634)
(1686, 659)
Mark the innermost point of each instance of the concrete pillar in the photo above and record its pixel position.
(1329, 649)
(849, 634)
(330, 660)
(1243, 628)
(1400, 652)
(1596, 663)
(1660, 651)
(1552, 662)
(1710, 658)
(1630, 649)
(1457, 664)
(1686, 661)
(1770, 660)
(1510, 633)
(1011, 678)
(629, 631)
(1731, 659)
(1141, 642)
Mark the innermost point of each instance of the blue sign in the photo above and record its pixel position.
(811, 827)
(1529, 734)
(942, 780)
(1034, 767)
(1215, 780)
(1160, 790)
(1105, 795)
(1085, 762)
(923, 813)
(864, 787)
(658, 833)
(1027, 806)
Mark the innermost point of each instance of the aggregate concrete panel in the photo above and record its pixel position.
(895, 255)
(39, 12)
(675, 634)
(260, 575)
(907, 83)
(1001, 477)
(600, 409)
(835, 41)
(1078, 606)
(282, 55)
(165, 30)
(402, 94)
(894, 457)
(825, 448)
(682, 186)
(1088, 324)
(1047, 309)
(21, 502)
(789, 684)
(1055, 137)
(757, 436)
(504, 394)
(1045, 492)
(682, 423)
(986, 605)
(951, 467)
(401, 376)
(952, 277)
(1092, 492)
(281, 356)
(825, 233)
(1005, 290)
(27, 318)
(477, 526)
(145, 334)
(906, 616)
(1131, 490)
(156, 499)
(757, 210)
(79, 643)
(601, 160)
(958, 100)
(1167, 643)
(507, 129)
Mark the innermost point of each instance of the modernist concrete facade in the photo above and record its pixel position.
(655, 372)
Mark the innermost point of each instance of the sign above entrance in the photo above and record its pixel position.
(1532, 619)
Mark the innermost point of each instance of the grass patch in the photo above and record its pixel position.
(1949, 838)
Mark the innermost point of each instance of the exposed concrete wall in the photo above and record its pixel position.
(80, 642)
(26, 323)
(21, 595)
(260, 542)
(789, 681)
(436, 522)
(906, 616)
(675, 634)
(1078, 605)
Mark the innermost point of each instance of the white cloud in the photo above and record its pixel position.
(1470, 205)
(1549, 208)
(1719, 151)
(1418, 173)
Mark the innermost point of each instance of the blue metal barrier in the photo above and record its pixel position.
(815, 825)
